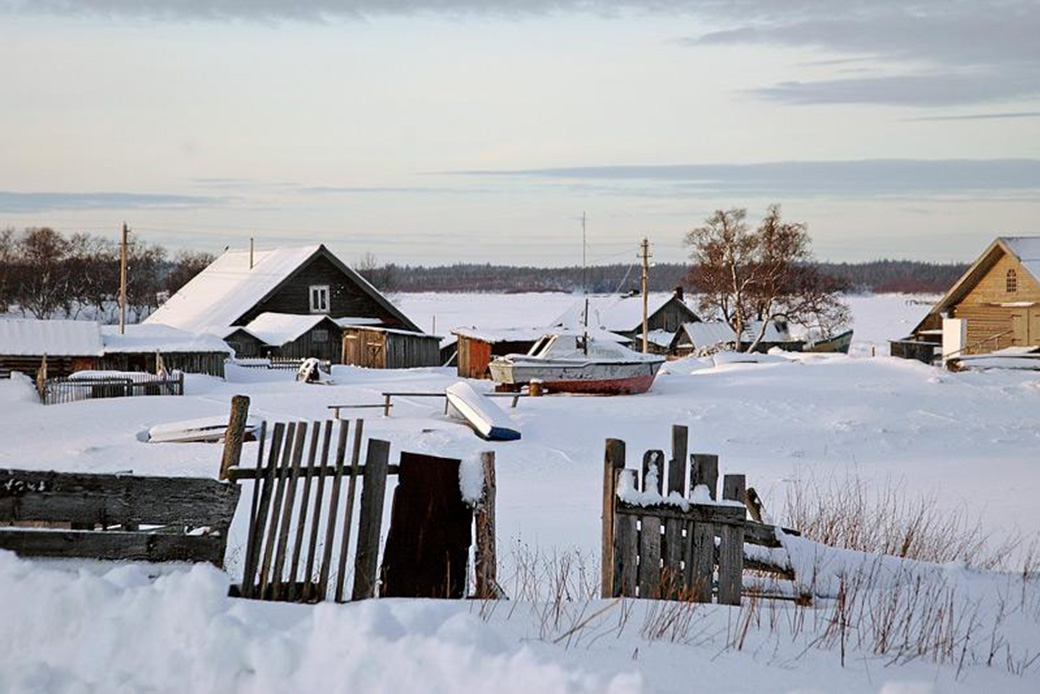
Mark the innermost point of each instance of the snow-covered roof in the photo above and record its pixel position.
(277, 329)
(707, 333)
(159, 338)
(661, 338)
(227, 288)
(394, 331)
(502, 334)
(56, 338)
(1027, 249)
(348, 321)
(612, 312)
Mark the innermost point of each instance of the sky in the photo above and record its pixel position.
(482, 130)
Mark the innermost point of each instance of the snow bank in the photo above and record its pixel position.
(121, 632)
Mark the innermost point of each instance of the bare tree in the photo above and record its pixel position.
(186, 264)
(144, 265)
(43, 284)
(379, 276)
(761, 274)
(8, 255)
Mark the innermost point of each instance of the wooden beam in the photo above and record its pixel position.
(235, 434)
(613, 464)
(370, 522)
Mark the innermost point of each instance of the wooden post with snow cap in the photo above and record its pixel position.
(613, 464)
(650, 529)
(731, 545)
(485, 558)
(235, 434)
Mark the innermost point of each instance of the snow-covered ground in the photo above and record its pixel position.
(970, 440)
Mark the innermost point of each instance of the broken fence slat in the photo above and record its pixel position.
(369, 524)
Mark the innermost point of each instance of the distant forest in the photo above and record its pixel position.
(876, 276)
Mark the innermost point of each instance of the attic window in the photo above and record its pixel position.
(320, 299)
(1012, 281)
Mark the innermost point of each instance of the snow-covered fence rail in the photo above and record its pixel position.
(278, 363)
(115, 517)
(71, 389)
(664, 539)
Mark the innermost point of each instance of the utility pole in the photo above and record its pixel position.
(122, 282)
(645, 256)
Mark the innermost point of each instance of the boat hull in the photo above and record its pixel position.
(599, 379)
(837, 344)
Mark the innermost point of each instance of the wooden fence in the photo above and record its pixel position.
(665, 533)
(61, 390)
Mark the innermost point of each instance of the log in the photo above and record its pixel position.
(485, 557)
(114, 545)
(235, 435)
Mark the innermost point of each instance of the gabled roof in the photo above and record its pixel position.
(617, 313)
(228, 288)
(55, 338)
(1026, 249)
(277, 329)
(709, 333)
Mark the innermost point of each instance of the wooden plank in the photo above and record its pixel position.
(108, 499)
(704, 513)
(765, 535)
(114, 545)
(332, 518)
(240, 474)
(613, 463)
(731, 564)
(705, 470)
(650, 529)
(366, 561)
(733, 488)
(701, 567)
(235, 434)
(311, 585)
(485, 557)
(271, 536)
(348, 516)
(674, 539)
(301, 518)
(258, 508)
(626, 559)
(286, 519)
(754, 504)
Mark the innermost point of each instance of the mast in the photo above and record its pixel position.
(645, 254)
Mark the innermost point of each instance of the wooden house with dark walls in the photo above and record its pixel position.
(623, 315)
(998, 298)
(310, 281)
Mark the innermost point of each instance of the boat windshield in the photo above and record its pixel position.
(540, 345)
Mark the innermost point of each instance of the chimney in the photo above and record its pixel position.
(679, 293)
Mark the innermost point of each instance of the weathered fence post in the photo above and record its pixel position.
(235, 434)
(366, 561)
(731, 546)
(485, 558)
(650, 529)
(673, 528)
(613, 463)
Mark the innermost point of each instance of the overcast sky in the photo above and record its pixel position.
(480, 130)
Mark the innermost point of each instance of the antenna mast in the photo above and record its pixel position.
(645, 255)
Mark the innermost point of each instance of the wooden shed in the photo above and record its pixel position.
(386, 348)
(69, 345)
(998, 297)
(476, 348)
(288, 336)
(137, 350)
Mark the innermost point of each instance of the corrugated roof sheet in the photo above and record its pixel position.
(56, 338)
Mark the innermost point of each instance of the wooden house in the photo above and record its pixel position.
(998, 299)
(240, 287)
(694, 338)
(623, 315)
(287, 336)
(386, 348)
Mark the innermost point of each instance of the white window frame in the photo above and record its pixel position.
(319, 292)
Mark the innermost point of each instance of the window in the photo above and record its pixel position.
(1012, 281)
(320, 336)
(320, 299)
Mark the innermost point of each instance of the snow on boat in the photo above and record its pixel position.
(205, 430)
(571, 362)
(486, 418)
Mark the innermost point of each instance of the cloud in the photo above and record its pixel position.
(981, 116)
(18, 203)
(849, 179)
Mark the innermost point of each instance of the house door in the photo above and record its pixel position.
(1033, 338)
(1020, 327)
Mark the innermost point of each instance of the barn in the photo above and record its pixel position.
(995, 305)
(386, 348)
(68, 344)
(308, 283)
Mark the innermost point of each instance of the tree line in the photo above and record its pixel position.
(46, 274)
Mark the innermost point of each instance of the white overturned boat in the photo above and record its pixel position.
(205, 430)
(484, 416)
(572, 362)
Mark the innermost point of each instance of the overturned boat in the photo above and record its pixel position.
(574, 362)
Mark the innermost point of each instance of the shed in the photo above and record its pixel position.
(623, 315)
(386, 348)
(694, 337)
(136, 350)
(69, 345)
(476, 348)
(288, 336)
